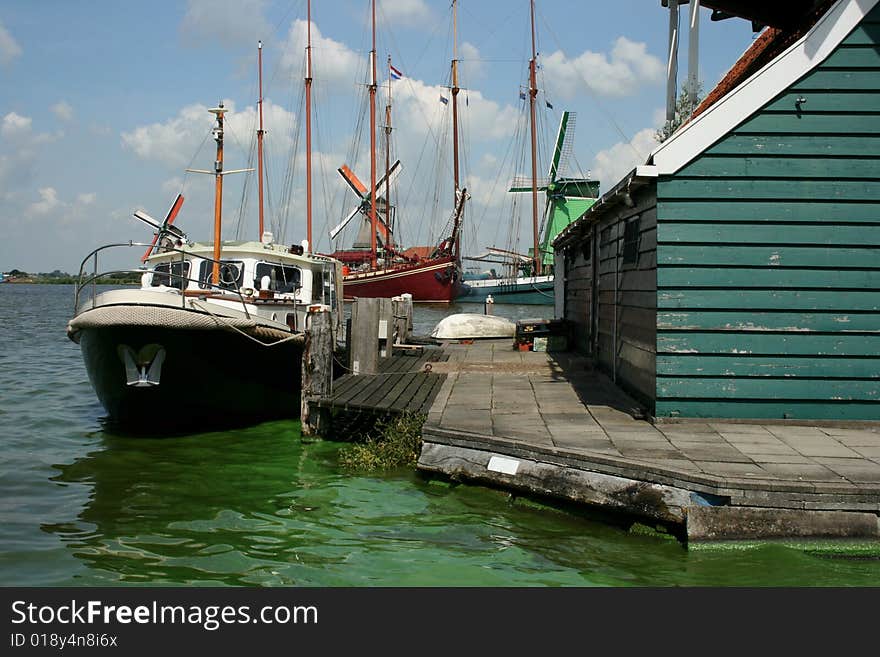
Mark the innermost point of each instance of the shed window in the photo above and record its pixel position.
(631, 241)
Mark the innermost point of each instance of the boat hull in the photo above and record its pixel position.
(525, 291)
(437, 281)
(209, 378)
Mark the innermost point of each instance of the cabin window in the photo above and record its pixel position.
(282, 278)
(631, 241)
(231, 274)
(171, 274)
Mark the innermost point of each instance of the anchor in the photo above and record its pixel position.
(144, 368)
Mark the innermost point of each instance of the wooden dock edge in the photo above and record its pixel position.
(704, 517)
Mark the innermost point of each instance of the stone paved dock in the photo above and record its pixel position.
(550, 424)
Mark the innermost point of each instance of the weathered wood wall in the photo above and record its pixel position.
(769, 255)
(614, 317)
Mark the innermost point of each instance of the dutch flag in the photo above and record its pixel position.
(395, 74)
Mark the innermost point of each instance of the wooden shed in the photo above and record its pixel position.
(737, 273)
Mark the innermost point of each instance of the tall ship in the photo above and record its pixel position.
(527, 278)
(375, 266)
(215, 331)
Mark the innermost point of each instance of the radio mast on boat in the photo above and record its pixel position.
(260, 136)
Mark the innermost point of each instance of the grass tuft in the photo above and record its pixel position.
(396, 443)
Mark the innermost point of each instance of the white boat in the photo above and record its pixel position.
(470, 326)
(214, 333)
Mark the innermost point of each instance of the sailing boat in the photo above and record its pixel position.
(215, 332)
(376, 266)
(531, 275)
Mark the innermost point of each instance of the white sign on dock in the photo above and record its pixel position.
(503, 465)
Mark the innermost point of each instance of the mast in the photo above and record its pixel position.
(308, 82)
(260, 136)
(373, 141)
(455, 90)
(533, 92)
(390, 245)
(219, 111)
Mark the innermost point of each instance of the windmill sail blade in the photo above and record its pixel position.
(356, 185)
(344, 223)
(564, 144)
(166, 226)
(147, 219)
(383, 184)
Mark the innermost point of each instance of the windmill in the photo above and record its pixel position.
(163, 229)
(382, 224)
(566, 198)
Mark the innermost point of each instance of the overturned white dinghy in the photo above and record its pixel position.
(467, 326)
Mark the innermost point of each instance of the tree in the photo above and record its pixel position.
(685, 105)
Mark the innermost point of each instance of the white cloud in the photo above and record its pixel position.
(333, 63)
(229, 21)
(403, 12)
(48, 202)
(610, 165)
(472, 68)
(63, 110)
(15, 125)
(9, 48)
(174, 142)
(628, 67)
(86, 198)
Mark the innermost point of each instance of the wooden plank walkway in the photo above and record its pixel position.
(403, 383)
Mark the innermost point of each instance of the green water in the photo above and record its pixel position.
(261, 506)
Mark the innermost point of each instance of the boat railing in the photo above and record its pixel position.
(90, 279)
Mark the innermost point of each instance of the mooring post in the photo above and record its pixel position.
(386, 326)
(364, 353)
(408, 311)
(488, 305)
(317, 367)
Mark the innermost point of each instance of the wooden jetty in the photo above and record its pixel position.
(549, 424)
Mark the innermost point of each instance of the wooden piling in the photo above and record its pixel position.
(386, 326)
(364, 352)
(317, 366)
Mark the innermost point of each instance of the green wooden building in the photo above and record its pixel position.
(737, 273)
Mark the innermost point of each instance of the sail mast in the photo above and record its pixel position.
(373, 141)
(219, 111)
(308, 82)
(260, 136)
(455, 90)
(533, 92)
(388, 222)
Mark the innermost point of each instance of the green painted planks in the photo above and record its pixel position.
(769, 344)
(828, 101)
(853, 57)
(772, 409)
(768, 145)
(801, 211)
(779, 122)
(743, 366)
(767, 278)
(770, 320)
(782, 388)
(670, 232)
(840, 300)
(772, 256)
(782, 167)
(866, 34)
(854, 79)
(795, 190)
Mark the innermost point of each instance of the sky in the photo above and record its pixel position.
(103, 107)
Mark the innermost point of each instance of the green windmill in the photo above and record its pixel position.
(567, 198)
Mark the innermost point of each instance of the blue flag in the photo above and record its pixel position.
(444, 100)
